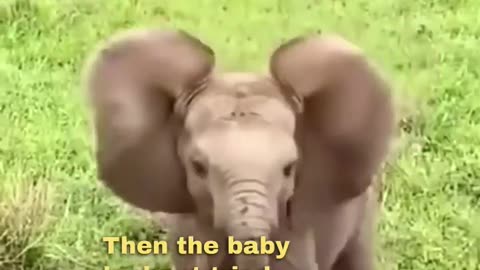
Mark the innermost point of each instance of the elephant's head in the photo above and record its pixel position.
(174, 135)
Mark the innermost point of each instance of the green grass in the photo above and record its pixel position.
(53, 213)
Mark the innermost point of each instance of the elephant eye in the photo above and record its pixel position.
(288, 169)
(199, 168)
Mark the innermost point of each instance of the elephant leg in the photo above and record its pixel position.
(221, 260)
(301, 250)
(227, 263)
(185, 225)
(179, 261)
(336, 227)
(291, 265)
(357, 255)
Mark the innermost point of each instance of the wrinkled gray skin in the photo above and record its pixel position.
(290, 155)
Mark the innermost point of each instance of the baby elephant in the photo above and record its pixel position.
(290, 156)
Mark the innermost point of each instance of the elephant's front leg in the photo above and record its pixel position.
(180, 261)
(357, 255)
(185, 225)
(301, 250)
(344, 235)
(182, 227)
(200, 261)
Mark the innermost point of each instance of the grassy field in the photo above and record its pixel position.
(53, 213)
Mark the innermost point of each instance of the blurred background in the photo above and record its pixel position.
(53, 213)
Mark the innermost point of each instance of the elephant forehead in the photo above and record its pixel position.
(246, 144)
(226, 98)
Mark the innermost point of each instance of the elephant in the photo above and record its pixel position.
(289, 155)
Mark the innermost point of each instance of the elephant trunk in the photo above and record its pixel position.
(252, 215)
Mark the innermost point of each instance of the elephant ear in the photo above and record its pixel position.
(347, 113)
(133, 84)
